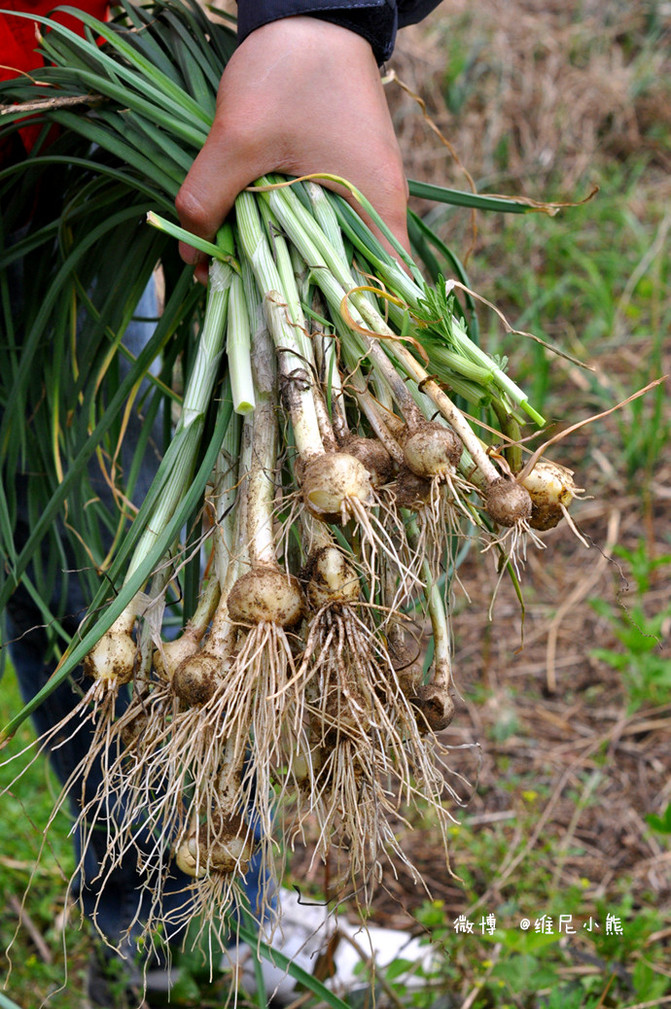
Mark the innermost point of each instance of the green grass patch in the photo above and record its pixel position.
(32, 957)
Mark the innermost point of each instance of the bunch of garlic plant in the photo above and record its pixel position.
(320, 479)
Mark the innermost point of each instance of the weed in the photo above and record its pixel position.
(641, 662)
(660, 824)
(31, 935)
(586, 281)
(529, 964)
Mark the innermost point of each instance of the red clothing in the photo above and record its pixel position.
(18, 41)
(17, 35)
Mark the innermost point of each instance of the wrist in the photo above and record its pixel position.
(375, 20)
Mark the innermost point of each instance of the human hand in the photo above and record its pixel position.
(298, 96)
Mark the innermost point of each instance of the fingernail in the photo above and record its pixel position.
(190, 255)
(201, 273)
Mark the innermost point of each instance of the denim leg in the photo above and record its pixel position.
(123, 899)
(120, 899)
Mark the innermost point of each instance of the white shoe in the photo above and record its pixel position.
(305, 931)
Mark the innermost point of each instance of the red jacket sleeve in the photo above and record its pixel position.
(18, 41)
(17, 34)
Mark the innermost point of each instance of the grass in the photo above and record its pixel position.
(562, 731)
(533, 936)
(32, 958)
(640, 626)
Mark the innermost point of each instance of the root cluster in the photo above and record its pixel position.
(300, 698)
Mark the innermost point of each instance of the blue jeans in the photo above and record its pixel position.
(121, 899)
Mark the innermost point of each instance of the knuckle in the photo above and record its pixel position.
(191, 209)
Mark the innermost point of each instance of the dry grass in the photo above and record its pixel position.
(535, 90)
